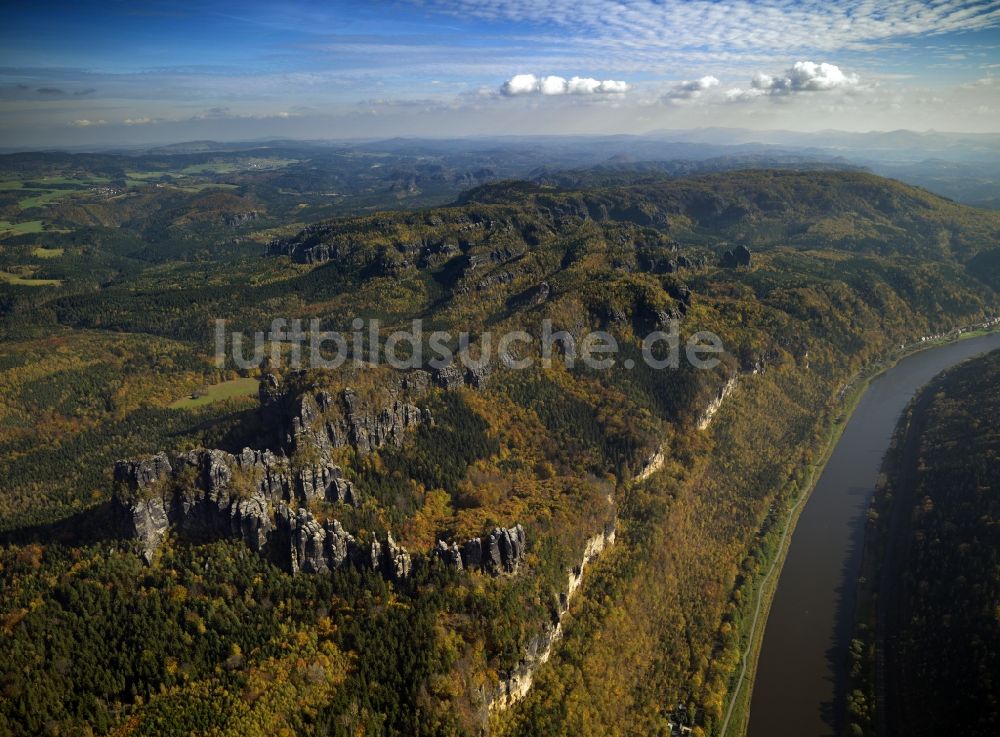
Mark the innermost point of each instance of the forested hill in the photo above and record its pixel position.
(764, 208)
(518, 233)
(934, 552)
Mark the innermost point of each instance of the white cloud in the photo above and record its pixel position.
(529, 84)
(85, 123)
(611, 86)
(689, 89)
(808, 75)
(520, 84)
(583, 86)
(803, 76)
(552, 85)
(137, 121)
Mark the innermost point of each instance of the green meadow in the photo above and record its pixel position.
(23, 281)
(25, 228)
(43, 252)
(218, 392)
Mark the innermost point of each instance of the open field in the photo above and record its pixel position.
(31, 226)
(43, 252)
(44, 197)
(227, 167)
(23, 281)
(146, 174)
(87, 181)
(218, 392)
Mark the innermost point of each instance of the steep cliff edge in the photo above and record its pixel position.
(266, 497)
(262, 496)
(514, 686)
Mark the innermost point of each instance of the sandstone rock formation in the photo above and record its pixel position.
(237, 219)
(319, 421)
(515, 685)
(260, 496)
(498, 552)
(143, 510)
(738, 258)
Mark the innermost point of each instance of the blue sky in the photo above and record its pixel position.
(79, 72)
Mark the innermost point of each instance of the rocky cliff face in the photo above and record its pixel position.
(238, 219)
(316, 547)
(501, 551)
(515, 685)
(320, 421)
(141, 503)
(261, 496)
(254, 497)
(705, 418)
(456, 375)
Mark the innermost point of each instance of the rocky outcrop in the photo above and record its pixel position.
(368, 428)
(237, 219)
(515, 685)
(253, 497)
(456, 375)
(395, 562)
(143, 513)
(318, 422)
(319, 254)
(209, 494)
(307, 541)
(682, 294)
(261, 496)
(308, 247)
(652, 464)
(450, 555)
(500, 255)
(705, 418)
(316, 547)
(501, 551)
(738, 258)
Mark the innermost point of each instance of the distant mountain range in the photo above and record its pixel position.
(962, 166)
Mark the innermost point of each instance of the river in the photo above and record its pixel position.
(802, 670)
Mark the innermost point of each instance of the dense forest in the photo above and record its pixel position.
(834, 270)
(927, 657)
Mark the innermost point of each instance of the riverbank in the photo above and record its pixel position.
(943, 630)
(834, 422)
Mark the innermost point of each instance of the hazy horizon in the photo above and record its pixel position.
(705, 142)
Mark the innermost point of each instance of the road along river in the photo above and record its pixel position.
(799, 688)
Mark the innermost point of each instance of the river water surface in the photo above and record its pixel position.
(803, 662)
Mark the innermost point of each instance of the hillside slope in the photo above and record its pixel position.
(849, 210)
